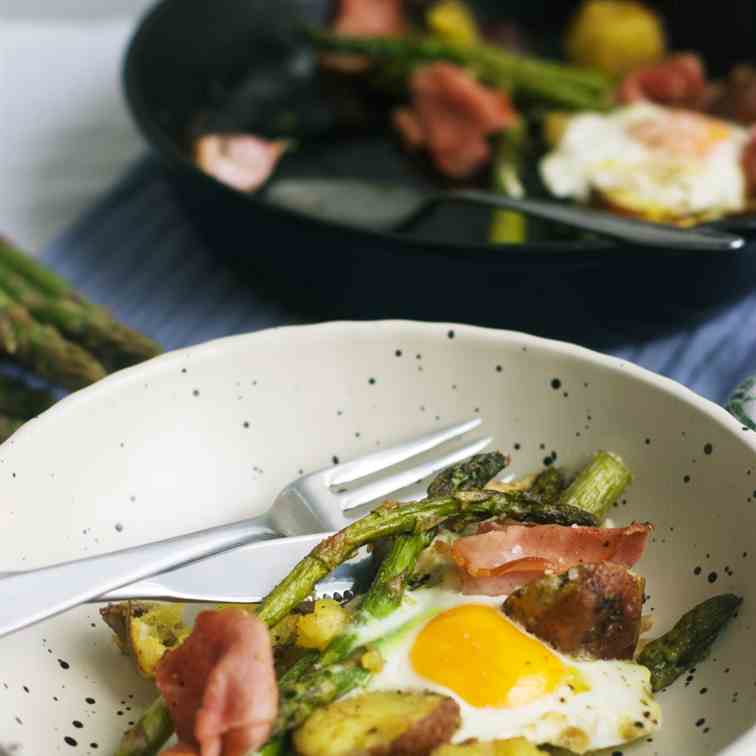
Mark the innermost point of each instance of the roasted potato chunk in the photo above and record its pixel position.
(380, 723)
(509, 747)
(615, 36)
(322, 625)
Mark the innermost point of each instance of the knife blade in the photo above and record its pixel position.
(245, 574)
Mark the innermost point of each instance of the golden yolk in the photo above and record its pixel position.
(476, 652)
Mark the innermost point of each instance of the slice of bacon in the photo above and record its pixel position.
(368, 18)
(452, 114)
(220, 685)
(592, 609)
(242, 161)
(678, 81)
(504, 556)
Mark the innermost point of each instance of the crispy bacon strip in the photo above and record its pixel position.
(452, 114)
(220, 686)
(242, 161)
(592, 609)
(504, 556)
(678, 81)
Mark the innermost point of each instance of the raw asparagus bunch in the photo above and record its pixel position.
(51, 300)
(19, 403)
(42, 349)
(552, 84)
(689, 640)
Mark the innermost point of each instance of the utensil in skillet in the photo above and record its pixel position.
(306, 504)
(380, 206)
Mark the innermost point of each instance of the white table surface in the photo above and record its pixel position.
(64, 129)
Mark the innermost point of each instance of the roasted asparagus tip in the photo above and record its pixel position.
(689, 640)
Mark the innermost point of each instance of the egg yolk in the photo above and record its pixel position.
(482, 657)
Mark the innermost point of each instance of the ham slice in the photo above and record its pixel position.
(220, 686)
(364, 18)
(452, 115)
(242, 161)
(505, 556)
(677, 81)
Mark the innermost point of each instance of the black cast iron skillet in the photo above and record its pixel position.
(195, 64)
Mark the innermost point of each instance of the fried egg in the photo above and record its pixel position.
(507, 682)
(659, 163)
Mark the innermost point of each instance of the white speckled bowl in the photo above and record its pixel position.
(210, 434)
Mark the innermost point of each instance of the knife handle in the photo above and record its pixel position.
(33, 595)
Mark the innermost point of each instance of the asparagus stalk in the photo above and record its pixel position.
(552, 83)
(391, 519)
(20, 401)
(689, 640)
(150, 733)
(508, 226)
(53, 302)
(598, 485)
(43, 350)
(471, 474)
(8, 426)
(548, 485)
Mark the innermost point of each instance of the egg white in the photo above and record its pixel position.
(617, 707)
(599, 153)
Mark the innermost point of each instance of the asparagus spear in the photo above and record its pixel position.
(8, 426)
(552, 83)
(598, 485)
(689, 640)
(391, 519)
(150, 734)
(42, 349)
(51, 300)
(20, 401)
(548, 485)
(508, 226)
(471, 474)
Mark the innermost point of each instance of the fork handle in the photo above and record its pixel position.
(33, 595)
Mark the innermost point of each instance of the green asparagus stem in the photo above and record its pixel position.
(689, 640)
(20, 401)
(392, 519)
(90, 326)
(598, 485)
(550, 83)
(508, 226)
(43, 279)
(43, 350)
(549, 485)
(8, 426)
(274, 747)
(471, 474)
(149, 734)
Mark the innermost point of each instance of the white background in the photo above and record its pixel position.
(65, 134)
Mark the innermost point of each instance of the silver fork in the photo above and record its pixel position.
(306, 505)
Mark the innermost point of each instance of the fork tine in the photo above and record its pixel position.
(372, 463)
(383, 486)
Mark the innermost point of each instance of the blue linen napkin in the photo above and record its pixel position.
(137, 253)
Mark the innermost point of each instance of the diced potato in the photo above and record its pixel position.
(453, 21)
(615, 36)
(325, 622)
(510, 747)
(153, 629)
(379, 723)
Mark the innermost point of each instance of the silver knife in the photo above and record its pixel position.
(242, 575)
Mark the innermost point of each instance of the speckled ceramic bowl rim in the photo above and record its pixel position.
(746, 743)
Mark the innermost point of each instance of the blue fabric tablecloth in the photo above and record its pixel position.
(137, 253)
